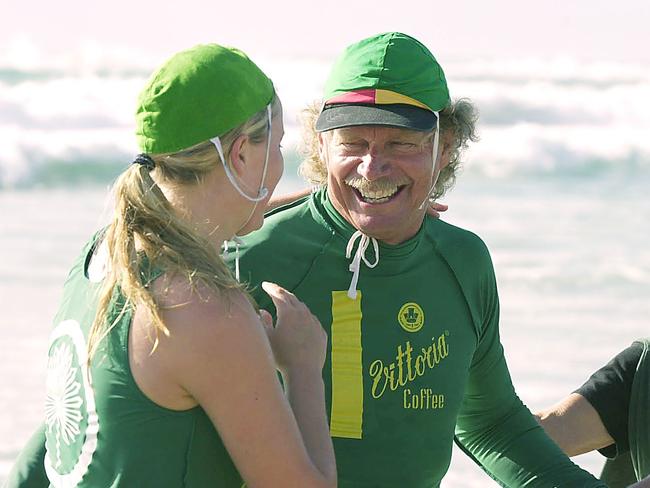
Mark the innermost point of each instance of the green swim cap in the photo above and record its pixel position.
(388, 79)
(199, 94)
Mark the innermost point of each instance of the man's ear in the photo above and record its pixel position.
(238, 155)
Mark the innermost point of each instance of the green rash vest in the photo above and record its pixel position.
(415, 360)
(101, 429)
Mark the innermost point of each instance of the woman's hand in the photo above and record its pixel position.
(298, 340)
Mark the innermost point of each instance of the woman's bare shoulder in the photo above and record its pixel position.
(207, 330)
(183, 302)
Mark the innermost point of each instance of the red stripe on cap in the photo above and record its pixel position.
(361, 96)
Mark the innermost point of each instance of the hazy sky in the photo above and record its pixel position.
(582, 29)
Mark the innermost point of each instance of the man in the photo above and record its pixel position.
(609, 412)
(409, 302)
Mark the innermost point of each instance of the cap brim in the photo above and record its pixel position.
(392, 115)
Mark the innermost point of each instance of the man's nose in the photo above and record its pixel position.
(373, 166)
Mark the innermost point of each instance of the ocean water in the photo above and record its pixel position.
(72, 123)
(558, 187)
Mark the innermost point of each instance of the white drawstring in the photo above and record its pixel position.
(238, 242)
(355, 264)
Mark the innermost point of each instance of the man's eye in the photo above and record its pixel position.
(404, 146)
(353, 146)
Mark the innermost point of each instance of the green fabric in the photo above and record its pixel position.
(139, 443)
(391, 61)
(199, 94)
(639, 420)
(618, 472)
(448, 273)
(28, 470)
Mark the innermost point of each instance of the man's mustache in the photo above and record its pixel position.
(379, 185)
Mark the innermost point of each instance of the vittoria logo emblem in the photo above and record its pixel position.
(411, 317)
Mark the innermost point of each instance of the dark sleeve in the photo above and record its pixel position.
(29, 469)
(608, 391)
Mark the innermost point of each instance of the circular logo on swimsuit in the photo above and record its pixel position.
(70, 417)
(411, 317)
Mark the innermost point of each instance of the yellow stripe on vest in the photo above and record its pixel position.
(347, 369)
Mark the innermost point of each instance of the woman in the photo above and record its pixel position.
(161, 372)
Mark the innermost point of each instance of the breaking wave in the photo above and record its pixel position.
(73, 123)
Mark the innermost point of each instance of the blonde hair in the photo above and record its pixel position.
(460, 117)
(146, 233)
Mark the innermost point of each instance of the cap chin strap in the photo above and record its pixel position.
(261, 194)
(436, 142)
(263, 191)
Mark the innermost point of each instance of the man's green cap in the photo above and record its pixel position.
(389, 79)
(199, 94)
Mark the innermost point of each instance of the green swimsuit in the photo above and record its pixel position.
(101, 430)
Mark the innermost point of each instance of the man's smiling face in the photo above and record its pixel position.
(378, 178)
